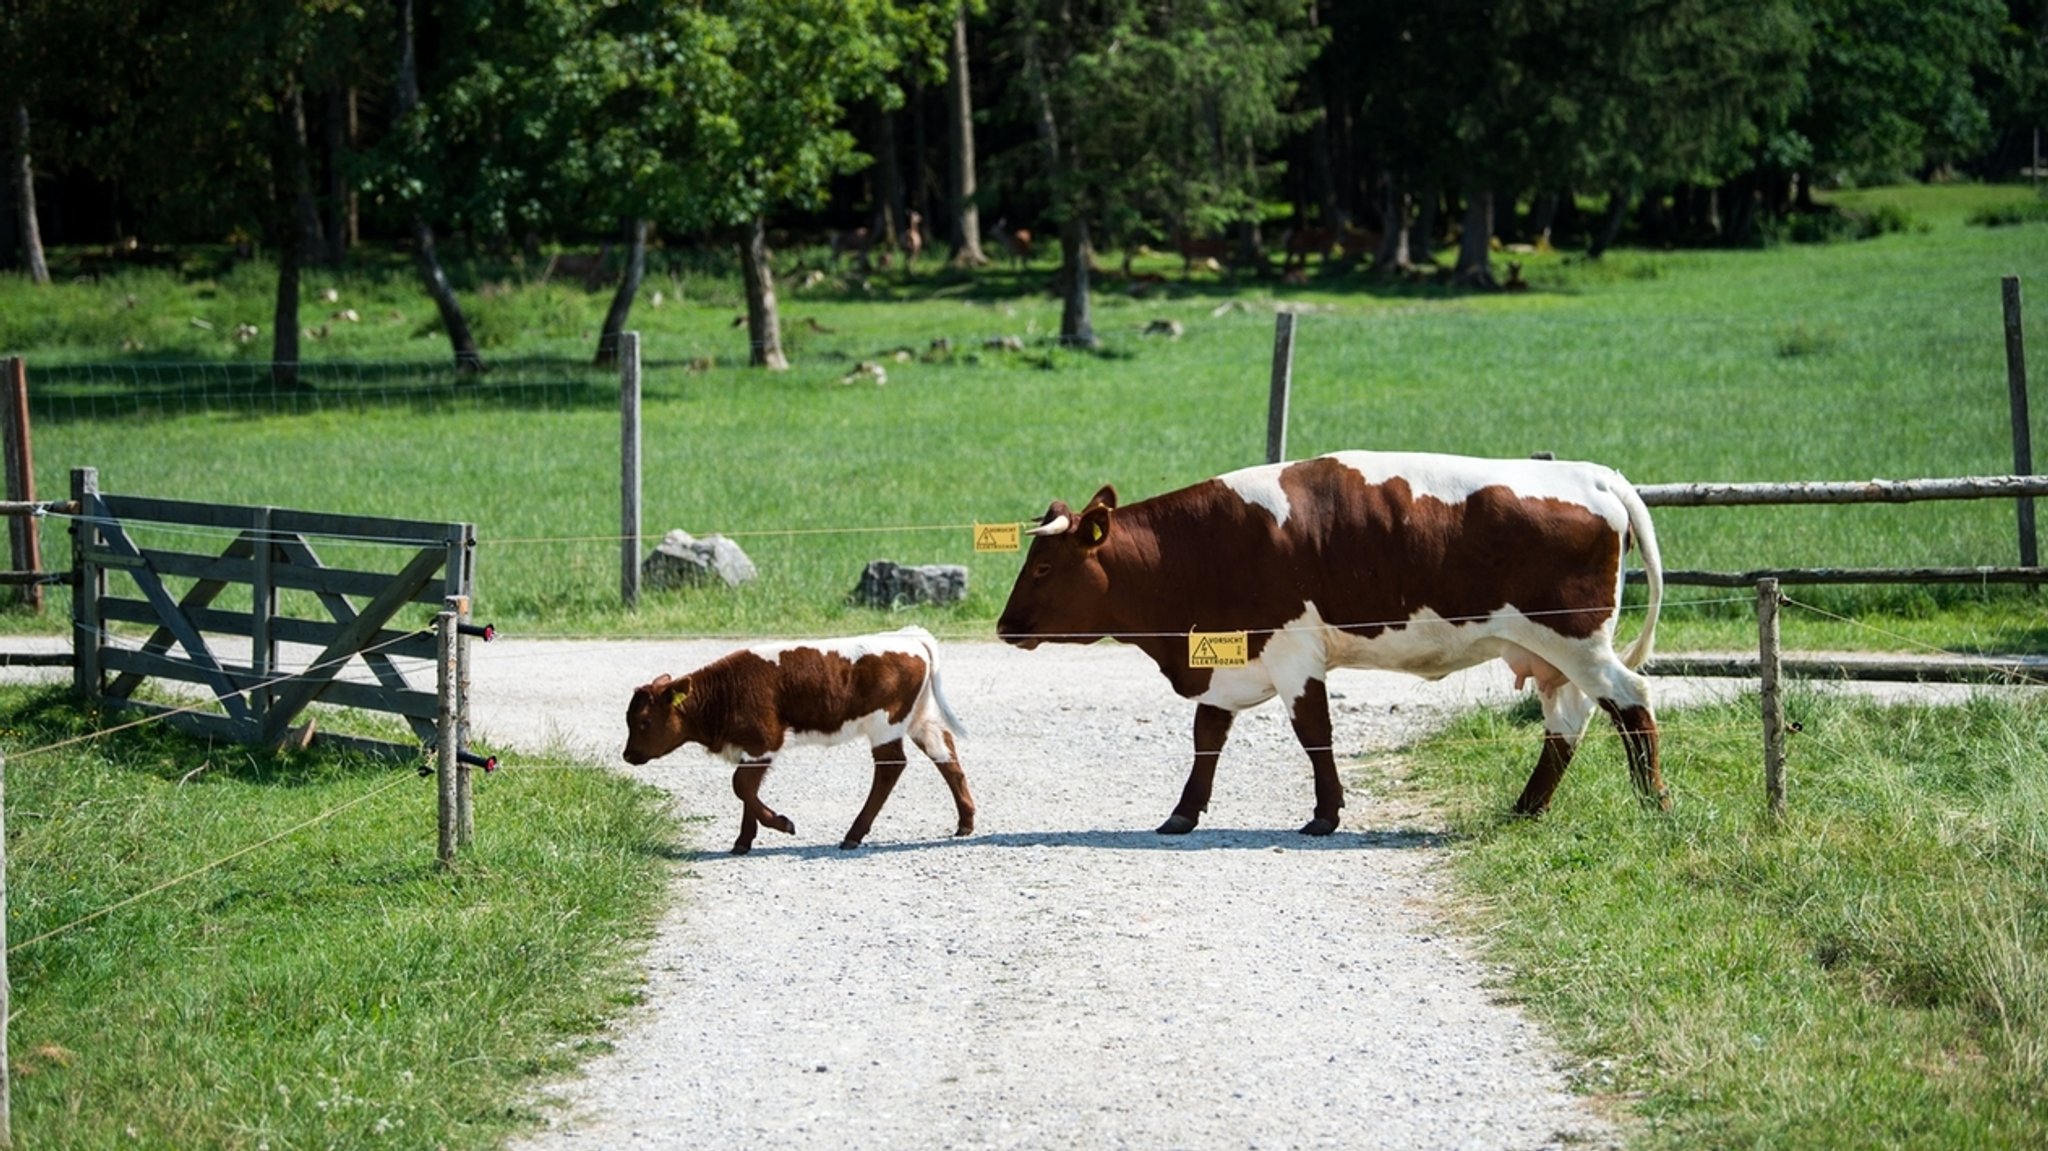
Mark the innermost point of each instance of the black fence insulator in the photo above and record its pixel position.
(487, 632)
(488, 762)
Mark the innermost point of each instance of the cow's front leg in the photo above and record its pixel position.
(888, 769)
(1311, 714)
(1212, 728)
(746, 783)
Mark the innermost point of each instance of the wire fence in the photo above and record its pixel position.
(1507, 744)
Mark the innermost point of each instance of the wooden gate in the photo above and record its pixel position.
(126, 548)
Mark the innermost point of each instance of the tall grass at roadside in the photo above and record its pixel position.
(333, 988)
(1874, 972)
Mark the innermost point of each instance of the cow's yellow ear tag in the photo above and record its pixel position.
(1094, 532)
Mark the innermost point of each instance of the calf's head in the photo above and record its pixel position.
(655, 721)
(1060, 591)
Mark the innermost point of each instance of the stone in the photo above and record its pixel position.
(682, 560)
(887, 584)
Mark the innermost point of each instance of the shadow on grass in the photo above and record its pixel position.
(40, 717)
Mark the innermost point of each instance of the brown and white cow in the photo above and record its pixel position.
(1416, 562)
(749, 705)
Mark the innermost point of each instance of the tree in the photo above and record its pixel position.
(1140, 110)
(960, 184)
(417, 173)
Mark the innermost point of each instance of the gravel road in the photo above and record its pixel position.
(1065, 977)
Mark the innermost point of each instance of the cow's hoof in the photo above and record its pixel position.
(848, 844)
(1319, 826)
(1177, 824)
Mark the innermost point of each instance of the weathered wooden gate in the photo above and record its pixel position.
(296, 603)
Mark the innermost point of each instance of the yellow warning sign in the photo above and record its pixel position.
(998, 537)
(1217, 649)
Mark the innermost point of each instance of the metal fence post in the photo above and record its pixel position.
(1768, 673)
(1283, 383)
(629, 467)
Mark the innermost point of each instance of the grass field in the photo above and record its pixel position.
(1872, 972)
(1833, 361)
(196, 962)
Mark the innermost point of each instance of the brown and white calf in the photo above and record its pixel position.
(749, 705)
(1410, 561)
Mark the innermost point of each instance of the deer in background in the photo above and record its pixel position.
(1210, 251)
(1015, 241)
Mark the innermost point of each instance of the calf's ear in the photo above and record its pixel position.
(1094, 526)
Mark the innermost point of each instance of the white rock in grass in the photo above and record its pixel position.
(682, 560)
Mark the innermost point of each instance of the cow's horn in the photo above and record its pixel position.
(1051, 527)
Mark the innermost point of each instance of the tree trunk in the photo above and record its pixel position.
(425, 258)
(1077, 327)
(292, 201)
(1077, 324)
(920, 151)
(1394, 214)
(960, 146)
(1322, 177)
(24, 182)
(1475, 242)
(311, 239)
(1422, 237)
(1610, 228)
(891, 207)
(622, 299)
(336, 141)
(1542, 215)
(764, 326)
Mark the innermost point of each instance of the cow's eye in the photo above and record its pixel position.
(1040, 571)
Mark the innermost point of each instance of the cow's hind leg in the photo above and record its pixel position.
(1565, 712)
(889, 761)
(1638, 728)
(1212, 728)
(939, 746)
(1311, 715)
(746, 783)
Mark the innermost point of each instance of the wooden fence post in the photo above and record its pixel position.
(89, 583)
(465, 822)
(2022, 438)
(24, 533)
(629, 467)
(447, 757)
(1768, 669)
(1283, 383)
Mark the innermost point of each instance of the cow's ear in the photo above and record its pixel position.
(1094, 525)
(679, 692)
(1106, 497)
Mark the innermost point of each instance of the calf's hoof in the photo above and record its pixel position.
(1177, 824)
(848, 844)
(1319, 826)
(742, 847)
(965, 828)
(784, 824)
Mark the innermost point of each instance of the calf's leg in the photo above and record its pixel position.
(746, 783)
(889, 761)
(1311, 714)
(1212, 728)
(942, 752)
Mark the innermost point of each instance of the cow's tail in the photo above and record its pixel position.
(1645, 534)
(931, 681)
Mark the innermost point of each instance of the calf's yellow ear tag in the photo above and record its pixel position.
(676, 696)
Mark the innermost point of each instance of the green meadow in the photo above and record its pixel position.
(215, 946)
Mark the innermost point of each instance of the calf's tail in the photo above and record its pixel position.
(931, 681)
